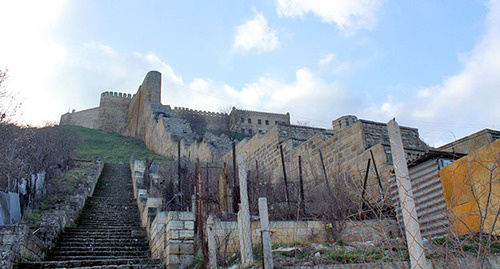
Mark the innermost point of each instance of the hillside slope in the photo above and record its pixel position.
(111, 146)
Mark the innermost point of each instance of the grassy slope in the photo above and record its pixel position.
(113, 147)
(92, 143)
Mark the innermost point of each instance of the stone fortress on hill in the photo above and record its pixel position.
(325, 152)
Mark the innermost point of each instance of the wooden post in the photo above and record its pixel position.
(223, 191)
(287, 195)
(212, 246)
(244, 228)
(266, 235)
(363, 200)
(301, 181)
(324, 172)
(378, 176)
(235, 192)
(410, 218)
(179, 180)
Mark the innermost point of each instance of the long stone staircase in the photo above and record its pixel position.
(108, 232)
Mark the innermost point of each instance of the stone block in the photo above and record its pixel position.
(173, 259)
(180, 234)
(175, 225)
(186, 259)
(179, 248)
(189, 225)
(184, 215)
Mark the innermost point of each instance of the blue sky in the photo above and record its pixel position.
(433, 65)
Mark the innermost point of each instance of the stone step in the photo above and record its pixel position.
(142, 243)
(100, 248)
(94, 257)
(108, 227)
(95, 254)
(108, 232)
(90, 232)
(102, 263)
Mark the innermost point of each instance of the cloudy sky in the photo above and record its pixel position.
(434, 65)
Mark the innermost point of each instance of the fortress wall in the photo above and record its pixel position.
(346, 151)
(213, 120)
(159, 140)
(240, 121)
(139, 112)
(86, 118)
(113, 113)
(376, 132)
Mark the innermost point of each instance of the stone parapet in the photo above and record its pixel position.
(18, 242)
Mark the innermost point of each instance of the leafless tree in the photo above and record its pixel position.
(232, 125)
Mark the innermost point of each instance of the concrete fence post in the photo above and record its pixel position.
(410, 218)
(266, 235)
(212, 246)
(244, 227)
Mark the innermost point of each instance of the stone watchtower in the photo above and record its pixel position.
(113, 111)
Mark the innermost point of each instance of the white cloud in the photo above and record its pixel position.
(462, 103)
(348, 15)
(327, 59)
(255, 34)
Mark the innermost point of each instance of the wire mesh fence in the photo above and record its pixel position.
(347, 219)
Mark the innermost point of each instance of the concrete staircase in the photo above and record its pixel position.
(108, 232)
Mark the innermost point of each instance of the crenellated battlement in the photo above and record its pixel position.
(185, 110)
(117, 94)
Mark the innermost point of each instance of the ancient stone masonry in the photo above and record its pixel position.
(86, 118)
(346, 147)
(143, 116)
(253, 122)
(113, 110)
(211, 120)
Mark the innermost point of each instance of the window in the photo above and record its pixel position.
(340, 124)
(249, 120)
(250, 131)
(259, 121)
(242, 131)
(353, 120)
(242, 120)
(346, 122)
(260, 131)
(267, 122)
(276, 122)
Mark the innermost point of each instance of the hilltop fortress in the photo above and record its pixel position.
(207, 136)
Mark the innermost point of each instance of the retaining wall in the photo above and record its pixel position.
(170, 233)
(18, 242)
(375, 231)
